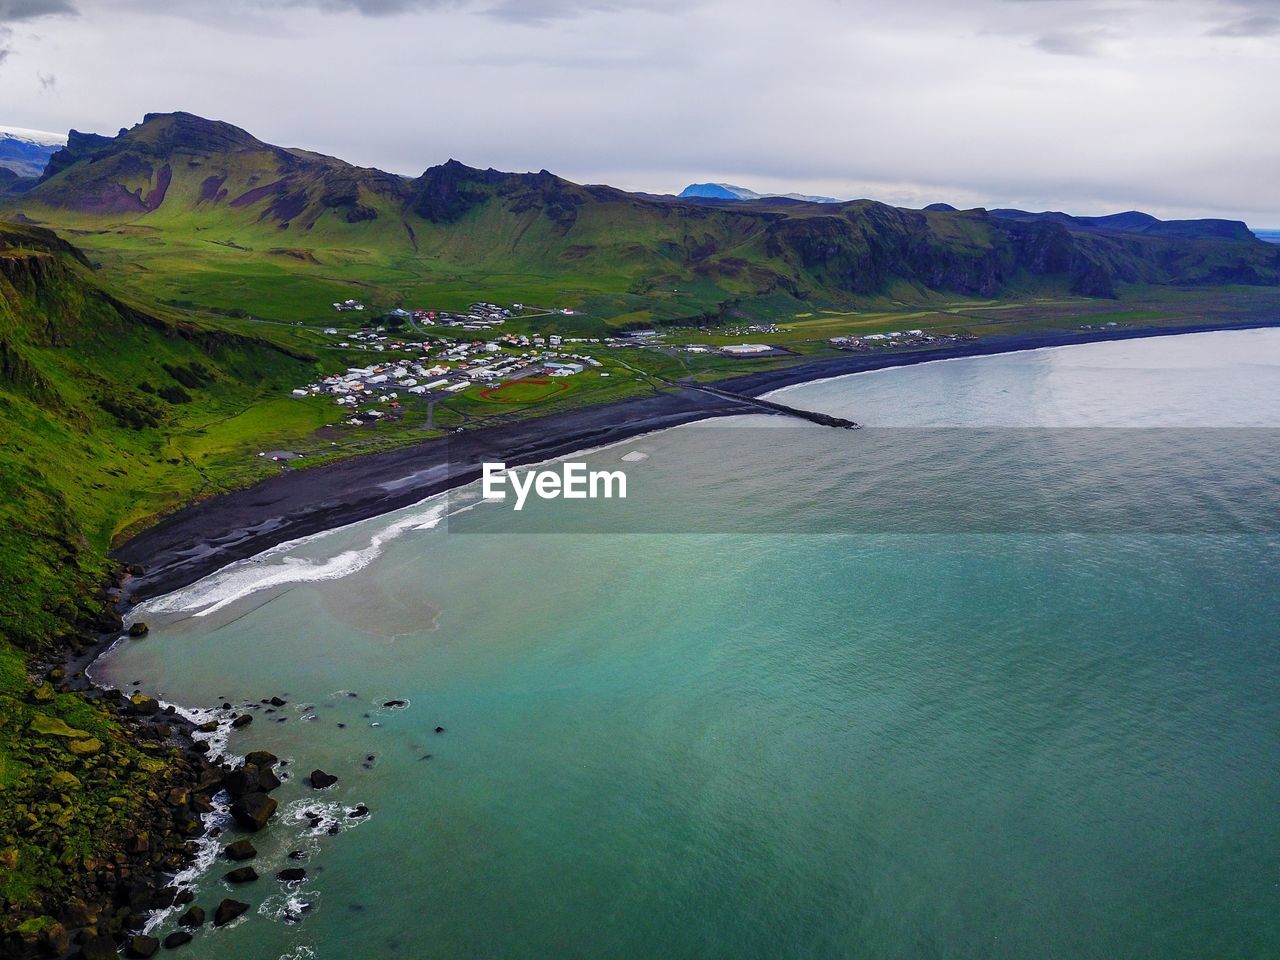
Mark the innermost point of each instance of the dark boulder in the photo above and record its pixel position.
(242, 875)
(164, 898)
(277, 702)
(193, 918)
(179, 938)
(143, 706)
(262, 759)
(267, 780)
(227, 911)
(242, 721)
(138, 629)
(55, 939)
(396, 703)
(320, 779)
(242, 849)
(253, 810)
(292, 874)
(141, 946)
(251, 778)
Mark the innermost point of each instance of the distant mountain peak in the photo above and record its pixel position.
(26, 152)
(42, 138)
(729, 191)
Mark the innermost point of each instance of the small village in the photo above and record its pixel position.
(423, 356)
(435, 367)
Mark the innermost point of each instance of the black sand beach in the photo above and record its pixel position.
(197, 540)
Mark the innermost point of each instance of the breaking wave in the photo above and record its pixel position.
(274, 568)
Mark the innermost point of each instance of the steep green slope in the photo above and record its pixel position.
(200, 212)
(93, 389)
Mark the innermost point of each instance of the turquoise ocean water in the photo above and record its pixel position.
(755, 741)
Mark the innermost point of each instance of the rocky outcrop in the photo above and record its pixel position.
(253, 810)
(142, 946)
(242, 849)
(242, 875)
(229, 910)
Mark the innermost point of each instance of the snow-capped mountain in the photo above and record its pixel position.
(26, 152)
(41, 138)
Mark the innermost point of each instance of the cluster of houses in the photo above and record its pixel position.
(346, 305)
(479, 316)
(746, 331)
(440, 369)
(896, 338)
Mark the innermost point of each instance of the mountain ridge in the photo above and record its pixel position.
(176, 177)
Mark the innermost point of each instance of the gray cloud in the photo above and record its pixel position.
(526, 12)
(1261, 25)
(535, 12)
(542, 12)
(12, 10)
(1245, 18)
(1069, 44)
(1085, 105)
(371, 8)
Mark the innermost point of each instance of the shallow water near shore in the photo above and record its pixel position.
(1040, 742)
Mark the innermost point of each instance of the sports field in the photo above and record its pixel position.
(525, 390)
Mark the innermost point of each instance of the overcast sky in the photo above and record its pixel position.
(1091, 106)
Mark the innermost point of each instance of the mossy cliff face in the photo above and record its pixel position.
(99, 796)
(97, 804)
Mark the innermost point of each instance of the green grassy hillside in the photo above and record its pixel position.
(94, 387)
(200, 213)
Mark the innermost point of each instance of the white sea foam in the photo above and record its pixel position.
(327, 813)
(207, 847)
(289, 907)
(274, 568)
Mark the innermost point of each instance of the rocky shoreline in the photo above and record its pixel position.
(192, 791)
(113, 898)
